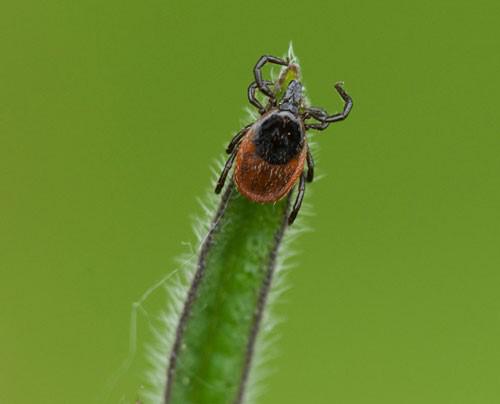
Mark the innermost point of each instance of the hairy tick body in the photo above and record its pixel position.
(271, 153)
(270, 158)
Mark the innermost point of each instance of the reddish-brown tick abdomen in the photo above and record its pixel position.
(261, 181)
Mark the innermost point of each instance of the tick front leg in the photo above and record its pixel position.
(225, 171)
(347, 105)
(257, 71)
(253, 99)
(298, 200)
(324, 118)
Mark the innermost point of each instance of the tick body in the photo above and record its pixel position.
(270, 155)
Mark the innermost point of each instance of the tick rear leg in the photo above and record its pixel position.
(298, 200)
(310, 166)
(225, 171)
(236, 139)
(257, 71)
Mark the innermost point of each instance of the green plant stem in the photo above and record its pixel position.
(216, 334)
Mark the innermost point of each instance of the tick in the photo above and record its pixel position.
(271, 153)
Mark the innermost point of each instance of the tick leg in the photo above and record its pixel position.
(319, 114)
(298, 201)
(317, 126)
(225, 171)
(323, 117)
(310, 166)
(257, 71)
(236, 139)
(251, 96)
(347, 105)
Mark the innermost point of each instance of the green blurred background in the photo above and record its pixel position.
(111, 114)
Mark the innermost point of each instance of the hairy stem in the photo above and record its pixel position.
(215, 338)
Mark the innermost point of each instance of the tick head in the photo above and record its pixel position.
(292, 99)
